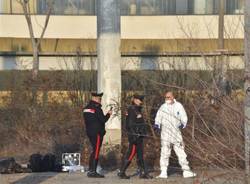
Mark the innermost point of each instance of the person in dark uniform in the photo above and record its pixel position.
(95, 128)
(136, 130)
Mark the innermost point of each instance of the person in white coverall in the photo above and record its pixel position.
(170, 119)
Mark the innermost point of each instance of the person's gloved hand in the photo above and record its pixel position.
(157, 128)
(181, 126)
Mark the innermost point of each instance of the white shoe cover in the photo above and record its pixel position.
(162, 175)
(188, 174)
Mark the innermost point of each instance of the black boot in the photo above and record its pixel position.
(145, 175)
(122, 174)
(91, 165)
(95, 167)
(92, 171)
(143, 172)
(93, 174)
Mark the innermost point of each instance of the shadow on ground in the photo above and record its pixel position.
(35, 178)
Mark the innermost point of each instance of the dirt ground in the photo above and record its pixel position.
(204, 177)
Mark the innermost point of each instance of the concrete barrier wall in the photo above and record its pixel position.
(132, 27)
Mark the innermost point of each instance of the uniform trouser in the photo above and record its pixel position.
(135, 147)
(96, 143)
(179, 151)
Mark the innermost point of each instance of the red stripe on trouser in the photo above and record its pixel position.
(97, 148)
(132, 153)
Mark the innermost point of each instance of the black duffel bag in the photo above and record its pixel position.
(46, 163)
(35, 162)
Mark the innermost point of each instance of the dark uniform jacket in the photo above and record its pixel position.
(135, 123)
(95, 119)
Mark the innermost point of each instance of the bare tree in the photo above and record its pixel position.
(36, 46)
(36, 42)
(221, 25)
(221, 77)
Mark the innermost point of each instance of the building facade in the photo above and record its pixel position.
(162, 29)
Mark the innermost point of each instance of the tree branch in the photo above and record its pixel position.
(46, 22)
(26, 11)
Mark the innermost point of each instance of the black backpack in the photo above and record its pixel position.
(35, 162)
(48, 162)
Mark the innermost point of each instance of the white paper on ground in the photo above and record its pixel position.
(73, 168)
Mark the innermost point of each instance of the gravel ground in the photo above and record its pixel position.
(204, 177)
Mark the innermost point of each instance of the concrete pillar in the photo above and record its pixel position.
(109, 64)
(199, 6)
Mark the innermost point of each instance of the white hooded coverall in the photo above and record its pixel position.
(169, 117)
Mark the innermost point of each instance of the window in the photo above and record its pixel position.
(216, 7)
(142, 7)
(41, 7)
(83, 7)
(206, 7)
(170, 7)
(234, 6)
(150, 7)
(4, 6)
(209, 9)
(128, 7)
(181, 7)
(16, 7)
(69, 7)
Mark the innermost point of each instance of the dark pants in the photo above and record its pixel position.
(135, 147)
(96, 143)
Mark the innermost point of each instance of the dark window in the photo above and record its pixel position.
(69, 7)
(181, 7)
(234, 6)
(170, 7)
(143, 7)
(5, 6)
(151, 7)
(128, 7)
(190, 7)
